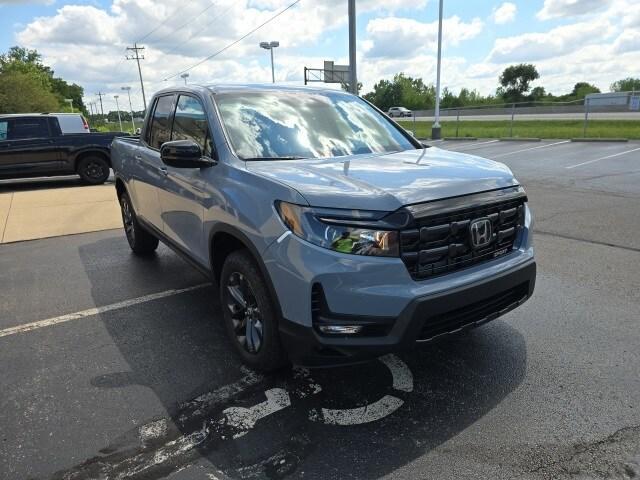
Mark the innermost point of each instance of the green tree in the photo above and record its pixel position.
(64, 90)
(626, 85)
(402, 91)
(582, 89)
(23, 63)
(23, 93)
(516, 81)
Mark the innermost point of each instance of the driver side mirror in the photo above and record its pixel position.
(184, 154)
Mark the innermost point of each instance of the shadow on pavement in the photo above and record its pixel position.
(177, 348)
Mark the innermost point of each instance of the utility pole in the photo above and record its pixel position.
(100, 94)
(135, 56)
(353, 87)
(435, 129)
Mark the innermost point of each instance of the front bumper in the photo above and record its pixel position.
(424, 319)
(380, 292)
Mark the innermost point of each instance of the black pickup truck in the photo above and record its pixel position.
(34, 145)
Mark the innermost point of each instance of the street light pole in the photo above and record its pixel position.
(273, 72)
(70, 101)
(185, 76)
(133, 125)
(435, 129)
(270, 46)
(353, 80)
(118, 109)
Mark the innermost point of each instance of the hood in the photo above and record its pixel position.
(386, 181)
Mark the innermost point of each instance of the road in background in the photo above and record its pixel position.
(551, 390)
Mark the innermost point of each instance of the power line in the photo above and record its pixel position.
(220, 15)
(234, 42)
(137, 58)
(191, 20)
(169, 17)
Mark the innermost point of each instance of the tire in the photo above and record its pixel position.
(93, 169)
(249, 314)
(140, 240)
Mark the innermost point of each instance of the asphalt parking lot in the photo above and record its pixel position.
(114, 366)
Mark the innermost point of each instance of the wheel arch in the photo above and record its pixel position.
(120, 187)
(90, 153)
(225, 239)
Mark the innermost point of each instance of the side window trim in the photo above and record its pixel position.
(209, 136)
(144, 137)
(169, 119)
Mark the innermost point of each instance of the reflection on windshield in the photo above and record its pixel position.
(303, 124)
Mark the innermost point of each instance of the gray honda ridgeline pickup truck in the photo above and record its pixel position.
(334, 235)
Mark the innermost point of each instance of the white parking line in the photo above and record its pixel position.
(475, 145)
(27, 327)
(528, 149)
(602, 158)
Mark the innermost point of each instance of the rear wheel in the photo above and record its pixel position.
(140, 240)
(249, 315)
(93, 169)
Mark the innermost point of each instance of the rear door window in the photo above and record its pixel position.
(160, 131)
(190, 123)
(26, 128)
(3, 129)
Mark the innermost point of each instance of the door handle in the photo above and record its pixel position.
(164, 170)
(138, 157)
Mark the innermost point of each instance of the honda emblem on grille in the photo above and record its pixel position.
(480, 232)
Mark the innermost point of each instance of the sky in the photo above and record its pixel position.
(597, 41)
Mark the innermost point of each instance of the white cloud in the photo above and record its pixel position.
(558, 41)
(570, 8)
(628, 41)
(403, 37)
(505, 13)
(86, 44)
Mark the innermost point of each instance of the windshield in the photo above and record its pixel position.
(272, 125)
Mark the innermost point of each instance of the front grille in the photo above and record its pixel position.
(441, 243)
(475, 313)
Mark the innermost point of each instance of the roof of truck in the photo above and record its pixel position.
(239, 87)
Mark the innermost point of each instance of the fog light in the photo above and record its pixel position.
(340, 329)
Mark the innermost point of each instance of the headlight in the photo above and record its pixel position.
(339, 234)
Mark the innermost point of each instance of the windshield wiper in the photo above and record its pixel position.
(290, 157)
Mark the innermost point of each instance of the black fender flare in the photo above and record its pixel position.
(248, 244)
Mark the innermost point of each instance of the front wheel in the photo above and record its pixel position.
(249, 315)
(140, 241)
(93, 169)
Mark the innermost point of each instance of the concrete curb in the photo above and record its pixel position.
(600, 139)
(519, 139)
(460, 139)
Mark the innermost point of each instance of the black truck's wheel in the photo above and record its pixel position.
(93, 169)
(140, 240)
(249, 315)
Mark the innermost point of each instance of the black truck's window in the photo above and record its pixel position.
(21, 128)
(160, 126)
(3, 129)
(190, 123)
